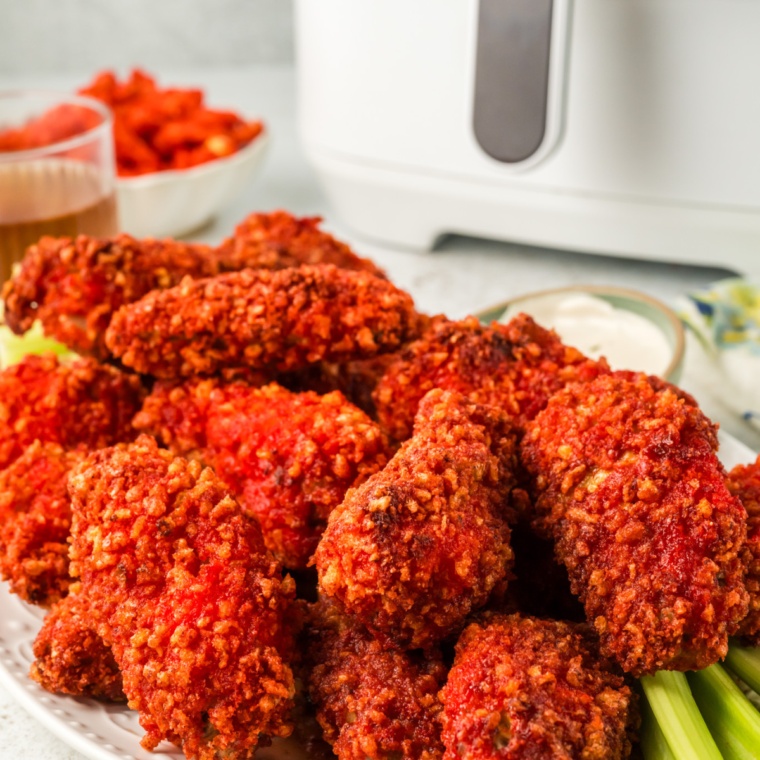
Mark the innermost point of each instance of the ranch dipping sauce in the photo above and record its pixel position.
(596, 328)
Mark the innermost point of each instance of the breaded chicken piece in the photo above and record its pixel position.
(196, 612)
(522, 689)
(373, 703)
(71, 657)
(422, 543)
(744, 482)
(278, 240)
(35, 520)
(75, 403)
(516, 367)
(283, 321)
(74, 286)
(289, 458)
(630, 488)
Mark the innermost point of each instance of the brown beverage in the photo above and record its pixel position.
(52, 196)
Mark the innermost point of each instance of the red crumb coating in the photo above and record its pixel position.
(288, 457)
(630, 488)
(74, 286)
(278, 240)
(182, 588)
(284, 321)
(516, 367)
(527, 689)
(71, 657)
(744, 482)
(75, 403)
(422, 543)
(372, 703)
(35, 519)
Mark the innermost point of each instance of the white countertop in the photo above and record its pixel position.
(461, 276)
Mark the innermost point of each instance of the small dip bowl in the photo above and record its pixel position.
(656, 312)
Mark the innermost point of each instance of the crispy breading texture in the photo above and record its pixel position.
(74, 286)
(523, 689)
(744, 482)
(35, 520)
(278, 240)
(516, 367)
(422, 543)
(71, 657)
(283, 321)
(629, 486)
(185, 593)
(372, 703)
(76, 403)
(288, 457)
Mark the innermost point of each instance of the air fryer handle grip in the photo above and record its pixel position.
(512, 76)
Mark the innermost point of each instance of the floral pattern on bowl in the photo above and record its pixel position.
(725, 318)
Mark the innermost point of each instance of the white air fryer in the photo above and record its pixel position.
(626, 127)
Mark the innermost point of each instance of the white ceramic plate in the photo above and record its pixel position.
(111, 732)
(171, 203)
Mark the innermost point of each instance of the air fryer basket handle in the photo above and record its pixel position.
(512, 76)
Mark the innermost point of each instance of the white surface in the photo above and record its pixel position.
(658, 156)
(172, 203)
(86, 35)
(462, 276)
(112, 732)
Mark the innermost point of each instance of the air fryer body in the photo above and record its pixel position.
(650, 144)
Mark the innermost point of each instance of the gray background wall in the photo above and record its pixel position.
(48, 36)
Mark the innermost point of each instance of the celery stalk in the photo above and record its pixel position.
(13, 348)
(654, 745)
(732, 719)
(745, 663)
(678, 716)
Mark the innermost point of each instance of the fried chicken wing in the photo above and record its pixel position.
(288, 457)
(744, 482)
(35, 519)
(74, 286)
(76, 403)
(522, 689)
(71, 657)
(422, 543)
(195, 610)
(278, 240)
(629, 487)
(284, 320)
(373, 703)
(516, 367)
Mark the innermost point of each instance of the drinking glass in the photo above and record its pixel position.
(56, 170)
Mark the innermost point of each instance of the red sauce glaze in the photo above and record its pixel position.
(629, 486)
(373, 703)
(198, 616)
(527, 689)
(74, 286)
(288, 457)
(515, 367)
(81, 402)
(284, 321)
(35, 519)
(744, 482)
(278, 240)
(411, 552)
(71, 657)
